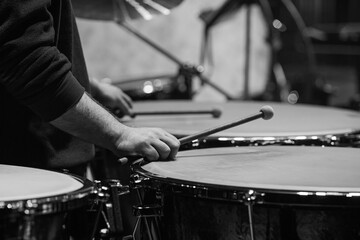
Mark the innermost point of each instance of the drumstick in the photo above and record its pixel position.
(214, 112)
(266, 113)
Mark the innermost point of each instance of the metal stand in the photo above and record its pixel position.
(249, 199)
(211, 18)
(187, 71)
(148, 214)
(110, 209)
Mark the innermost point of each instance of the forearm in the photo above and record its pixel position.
(91, 122)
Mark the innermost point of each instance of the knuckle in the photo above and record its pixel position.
(141, 147)
(166, 151)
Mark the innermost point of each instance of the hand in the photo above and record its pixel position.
(150, 143)
(111, 96)
(90, 122)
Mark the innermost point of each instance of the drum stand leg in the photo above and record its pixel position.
(251, 225)
(146, 212)
(249, 200)
(111, 211)
(188, 71)
(29, 221)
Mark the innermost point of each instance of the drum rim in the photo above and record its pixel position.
(333, 139)
(156, 182)
(55, 203)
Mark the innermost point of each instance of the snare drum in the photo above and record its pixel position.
(292, 124)
(35, 203)
(266, 192)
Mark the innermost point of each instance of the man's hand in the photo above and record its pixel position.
(111, 96)
(150, 143)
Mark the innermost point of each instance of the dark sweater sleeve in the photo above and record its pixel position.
(31, 67)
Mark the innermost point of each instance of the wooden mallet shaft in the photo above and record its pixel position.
(266, 112)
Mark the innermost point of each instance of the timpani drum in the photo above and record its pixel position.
(298, 124)
(265, 192)
(36, 203)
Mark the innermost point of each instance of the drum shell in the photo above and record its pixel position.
(20, 226)
(192, 211)
(197, 218)
(51, 217)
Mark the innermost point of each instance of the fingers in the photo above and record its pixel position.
(164, 146)
(150, 143)
(123, 107)
(173, 143)
(168, 145)
(150, 153)
(114, 98)
(128, 100)
(122, 104)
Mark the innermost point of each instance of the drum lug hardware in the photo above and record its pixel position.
(118, 188)
(136, 180)
(109, 192)
(151, 210)
(201, 192)
(250, 197)
(249, 200)
(148, 214)
(101, 193)
(112, 184)
(30, 207)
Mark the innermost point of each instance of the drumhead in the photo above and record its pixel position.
(281, 169)
(20, 186)
(289, 120)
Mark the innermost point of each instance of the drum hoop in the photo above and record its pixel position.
(53, 204)
(146, 179)
(330, 139)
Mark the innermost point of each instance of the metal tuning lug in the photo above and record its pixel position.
(111, 190)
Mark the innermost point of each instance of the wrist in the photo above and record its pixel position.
(119, 136)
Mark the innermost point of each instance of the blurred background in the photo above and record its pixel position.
(294, 51)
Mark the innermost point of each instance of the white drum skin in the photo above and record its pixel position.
(271, 168)
(19, 183)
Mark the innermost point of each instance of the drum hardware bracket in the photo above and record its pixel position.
(149, 210)
(135, 180)
(109, 192)
(249, 199)
(145, 212)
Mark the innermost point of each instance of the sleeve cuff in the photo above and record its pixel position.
(52, 103)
